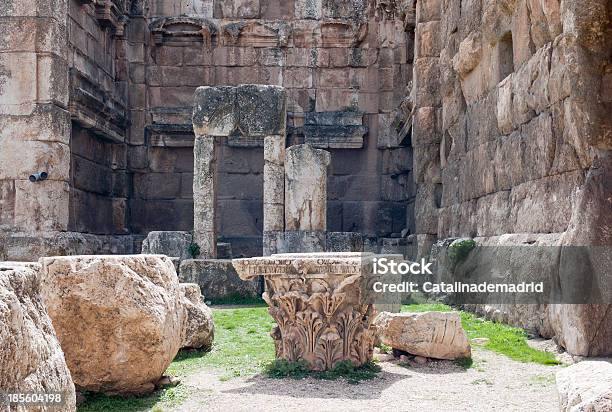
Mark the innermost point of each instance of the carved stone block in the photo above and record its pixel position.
(261, 110)
(321, 305)
(214, 111)
(336, 130)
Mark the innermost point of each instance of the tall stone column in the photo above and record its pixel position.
(305, 198)
(214, 115)
(274, 193)
(204, 195)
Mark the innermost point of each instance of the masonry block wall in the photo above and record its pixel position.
(512, 136)
(512, 113)
(345, 65)
(34, 122)
(111, 84)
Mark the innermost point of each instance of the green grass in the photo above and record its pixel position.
(503, 339)
(242, 344)
(239, 300)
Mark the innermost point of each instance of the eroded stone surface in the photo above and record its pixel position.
(32, 360)
(172, 244)
(199, 328)
(306, 188)
(119, 319)
(217, 279)
(429, 334)
(585, 386)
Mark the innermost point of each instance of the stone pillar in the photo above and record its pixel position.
(214, 115)
(205, 195)
(274, 193)
(305, 198)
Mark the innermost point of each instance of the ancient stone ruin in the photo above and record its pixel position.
(115, 340)
(318, 301)
(317, 126)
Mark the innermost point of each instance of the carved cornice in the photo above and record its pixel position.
(111, 13)
(256, 33)
(95, 109)
(342, 33)
(181, 28)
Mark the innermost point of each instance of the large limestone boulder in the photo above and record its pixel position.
(200, 328)
(119, 319)
(585, 387)
(430, 334)
(31, 359)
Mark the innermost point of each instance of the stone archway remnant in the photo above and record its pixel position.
(245, 111)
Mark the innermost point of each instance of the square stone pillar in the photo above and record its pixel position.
(204, 195)
(34, 122)
(305, 199)
(274, 193)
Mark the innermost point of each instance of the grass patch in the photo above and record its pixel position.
(426, 307)
(281, 368)
(157, 401)
(238, 300)
(242, 344)
(503, 339)
(542, 380)
(385, 349)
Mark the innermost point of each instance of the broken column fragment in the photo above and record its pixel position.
(274, 192)
(305, 198)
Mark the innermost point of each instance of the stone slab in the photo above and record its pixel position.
(217, 279)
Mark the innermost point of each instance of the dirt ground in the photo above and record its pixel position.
(493, 383)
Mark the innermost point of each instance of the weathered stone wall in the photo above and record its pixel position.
(98, 101)
(102, 102)
(345, 69)
(512, 110)
(34, 123)
(512, 135)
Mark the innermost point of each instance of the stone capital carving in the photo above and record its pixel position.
(320, 303)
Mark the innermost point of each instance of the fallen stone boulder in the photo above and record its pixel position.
(119, 319)
(585, 387)
(31, 359)
(436, 335)
(200, 328)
